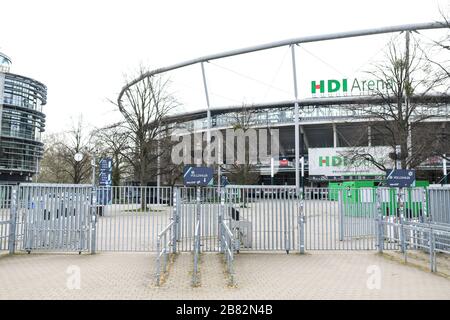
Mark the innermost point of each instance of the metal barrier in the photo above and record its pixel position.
(262, 217)
(227, 247)
(5, 215)
(431, 237)
(439, 200)
(53, 218)
(339, 219)
(203, 204)
(195, 281)
(129, 218)
(163, 245)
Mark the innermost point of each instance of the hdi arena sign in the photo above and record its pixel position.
(335, 161)
(350, 86)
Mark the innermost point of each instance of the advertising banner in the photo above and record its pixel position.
(344, 162)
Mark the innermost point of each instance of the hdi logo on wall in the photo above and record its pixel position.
(357, 85)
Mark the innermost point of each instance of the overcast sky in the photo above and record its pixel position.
(82, 49)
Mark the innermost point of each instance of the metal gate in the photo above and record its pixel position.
(348, 219)
(198, 204)
(129, 218)
(340, 219)
(5, 216)
(262, 218)
(52, 217)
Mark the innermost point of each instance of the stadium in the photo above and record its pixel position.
(316, 131)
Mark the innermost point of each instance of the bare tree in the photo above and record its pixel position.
(406, 105)
(52, 168)
(144, 108)
(112, 141)
(247, 172)
(58, 163)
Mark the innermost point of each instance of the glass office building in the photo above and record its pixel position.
(21, 125)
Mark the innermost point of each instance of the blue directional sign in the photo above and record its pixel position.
(198, 176)
(106, 164)
(105, 175)
(104, 195)
(224, 181)
(400, 178)
(105, 179)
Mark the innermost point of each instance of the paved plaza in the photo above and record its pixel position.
(315, 275)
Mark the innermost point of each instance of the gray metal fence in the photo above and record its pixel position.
(262, 217)
(413, 235)
(439, 204)
(129, 218)
(53, 217)
(5, 216)
(339, 219)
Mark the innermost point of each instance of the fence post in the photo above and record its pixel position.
(175, 219)
(401, 217)
(301, 222)
(380, 226)
(432, 252)
(221, 215)
(93, 220)
(402, 235)
(13, 219)
(341, 214)
(158, 264)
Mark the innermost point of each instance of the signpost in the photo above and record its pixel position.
(105, 181)
(198, 176)
(400, 178)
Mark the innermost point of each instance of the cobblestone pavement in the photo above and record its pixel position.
(316, 275)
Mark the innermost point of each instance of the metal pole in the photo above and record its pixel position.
(208, 115)
(398, 162)
(271, 170)
(444, 168)
(401, 207)
(302, 181)
(341, 214)
(93, 207)
(302, 227)
(219, 162)
(158, 261)
(296, 124)
(407, 96)
(13, 219)
(175, 219)
(158, 175)
(432, 252)
(380, 234)
(93, 168)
